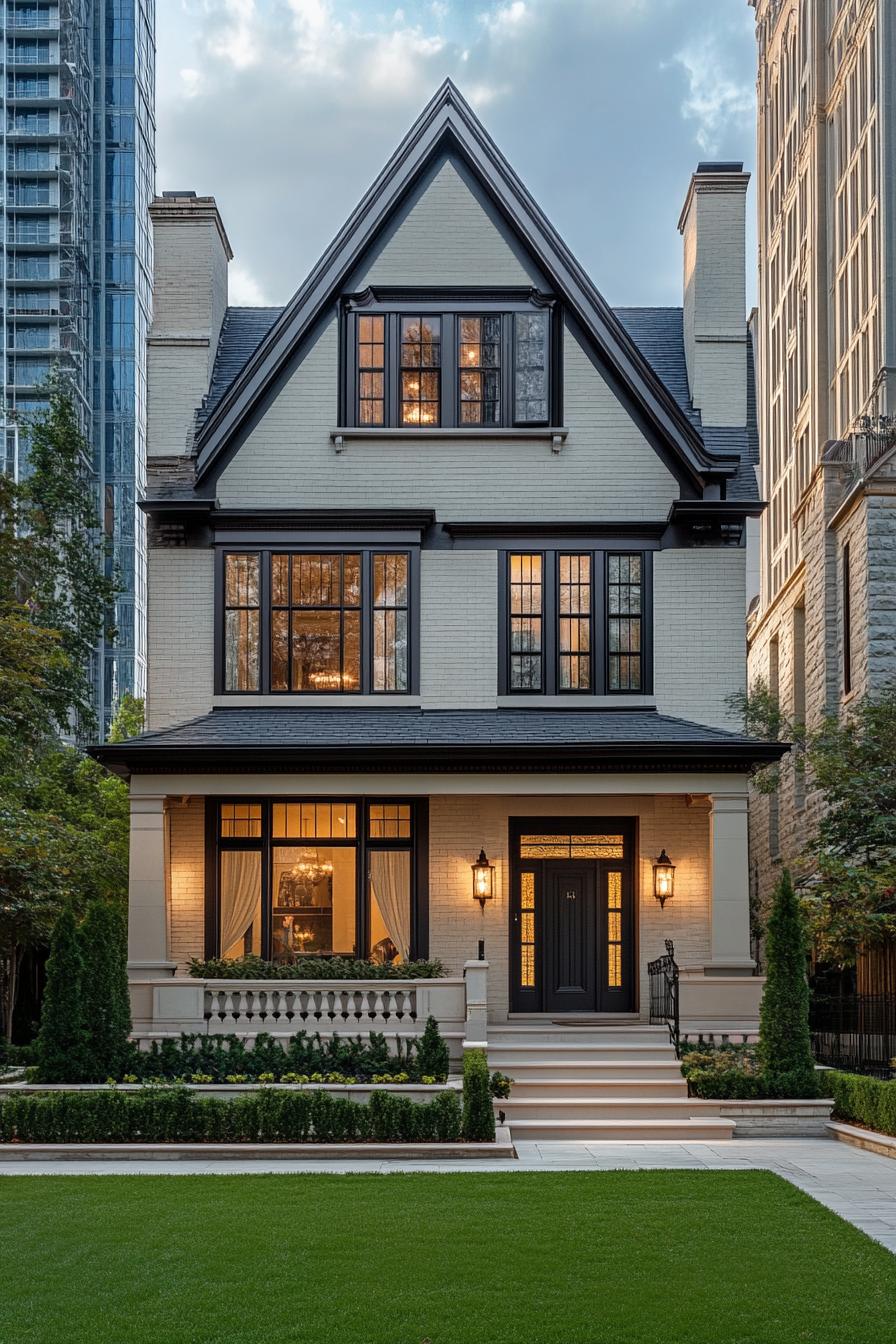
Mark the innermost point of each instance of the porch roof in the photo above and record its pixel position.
(393, 740)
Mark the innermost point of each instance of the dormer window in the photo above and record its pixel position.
(423, 366)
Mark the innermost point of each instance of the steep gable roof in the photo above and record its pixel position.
(449, 124)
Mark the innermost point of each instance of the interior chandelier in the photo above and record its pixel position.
(310, 867)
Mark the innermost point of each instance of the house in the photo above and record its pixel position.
(446, 598)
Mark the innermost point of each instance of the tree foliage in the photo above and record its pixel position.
(62, 1041)
(846, 872)
(105, 1001)
(63, 820)
(784, 1042)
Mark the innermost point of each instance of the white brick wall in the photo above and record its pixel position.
(180, 621)
(459, 629)
(607, 469)
(446, 238)
(699, 639)
(186, 881)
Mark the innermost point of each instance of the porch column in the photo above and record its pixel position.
(147, 914)
(729, 863)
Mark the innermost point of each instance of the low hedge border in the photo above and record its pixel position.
(866, 1101)
(734, 1073)
(314, 968)
(177, 1115)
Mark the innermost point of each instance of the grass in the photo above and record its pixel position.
(541, 1258)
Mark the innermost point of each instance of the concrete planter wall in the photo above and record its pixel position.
(359, 1092)
(770, 1119)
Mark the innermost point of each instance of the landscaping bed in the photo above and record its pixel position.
(462, 1258)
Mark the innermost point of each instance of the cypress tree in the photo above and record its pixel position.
(105, 1000)
(62, 1042)
(785, 1047)
(432, 1053)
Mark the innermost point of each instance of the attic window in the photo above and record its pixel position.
(463, 369)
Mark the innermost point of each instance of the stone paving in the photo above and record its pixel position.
(857, 1185)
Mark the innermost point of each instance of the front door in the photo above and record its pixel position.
(570, 937)
(572, 925)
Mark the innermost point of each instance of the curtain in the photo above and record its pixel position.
(390, 883)
(240, 894)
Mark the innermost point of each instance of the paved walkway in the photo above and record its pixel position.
(859, 1186)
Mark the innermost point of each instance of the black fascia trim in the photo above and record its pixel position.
(124, 758)
(446, 120)
(344, 520)
(160, 505)
(502, 530)
(684, 509)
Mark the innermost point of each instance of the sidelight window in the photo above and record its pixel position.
(241, 622)
(624, 622)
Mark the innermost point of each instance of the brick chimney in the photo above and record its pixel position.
(713, 225)
(190, 257)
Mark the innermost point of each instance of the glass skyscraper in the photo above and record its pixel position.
(78, 168)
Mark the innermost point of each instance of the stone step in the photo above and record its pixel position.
(504, 1055)
(576, 1087)
(683, 1130)
(592, 1035)
(636, 1071)
(595, 1108)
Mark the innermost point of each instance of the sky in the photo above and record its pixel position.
(286, 110)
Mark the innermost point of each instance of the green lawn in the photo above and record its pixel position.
(558, 1258)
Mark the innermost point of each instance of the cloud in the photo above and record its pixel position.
(285, 110)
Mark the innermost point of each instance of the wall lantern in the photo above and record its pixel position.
(483, 879)
(663, 878)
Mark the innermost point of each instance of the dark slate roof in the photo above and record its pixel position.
(657, 332)
(242, 332)
(395, 738)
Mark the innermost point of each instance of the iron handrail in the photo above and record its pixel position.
(662, 975)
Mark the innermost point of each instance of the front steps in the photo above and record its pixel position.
(618, 1082)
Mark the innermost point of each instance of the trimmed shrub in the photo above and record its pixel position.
(432, 1059)
(867, 1101)
(314, 968)
(479, 1115)
(785, 1047)
(734, 1073)
(62, 1043)
(105, 1002)
(176, 1115)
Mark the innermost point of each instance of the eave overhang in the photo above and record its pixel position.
(125, 758)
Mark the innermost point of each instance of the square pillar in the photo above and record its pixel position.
(147, 907)
(730, 909)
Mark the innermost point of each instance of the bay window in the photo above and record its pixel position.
(312, 622)
(320, 877)
(452, 369)
(575, 622)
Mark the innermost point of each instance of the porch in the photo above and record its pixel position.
(566, 933)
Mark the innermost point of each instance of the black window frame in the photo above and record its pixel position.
(448, 307)
(417, 844)
(599, 652)
(367, 550)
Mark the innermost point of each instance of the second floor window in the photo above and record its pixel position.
(575, 623)
(316, 622)
(462, 369)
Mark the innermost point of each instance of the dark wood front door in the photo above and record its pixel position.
(570, 938)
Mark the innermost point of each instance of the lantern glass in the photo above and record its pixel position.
(663, 878)
(483, 879)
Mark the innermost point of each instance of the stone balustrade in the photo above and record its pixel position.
(397, 1008)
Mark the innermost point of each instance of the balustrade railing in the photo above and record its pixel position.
(662, 975)
(292, 1005)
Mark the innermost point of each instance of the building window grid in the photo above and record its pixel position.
(316, 622)
(624, 622)
(526, 622)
